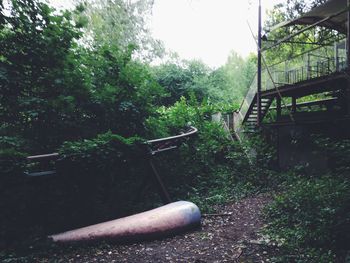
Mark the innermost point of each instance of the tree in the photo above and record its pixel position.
(182, 78)
(122, 23)
(35, 56)
(226, 84)
(295, 8)
(53, 89)
(308, 40)
(231, 81)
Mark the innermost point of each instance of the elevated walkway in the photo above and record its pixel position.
(317, 78)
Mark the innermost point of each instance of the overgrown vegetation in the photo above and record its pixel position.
(68, 87)
(80, 83)
(310, 218)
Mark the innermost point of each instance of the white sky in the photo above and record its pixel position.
(204, 29)
(207, 29)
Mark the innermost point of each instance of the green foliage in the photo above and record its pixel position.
(103, 155)
(213, 168)
(182, 79)
(237, 74)
(285, 51)
(11, 163)
(295, 8)
(312, 213)
(338, 153)
(35, 46)
(226, 84)
(123, 92)
(310, 219)
(61, 91)
(121, 23)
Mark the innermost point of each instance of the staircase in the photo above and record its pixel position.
(247, 114)
(251, 116)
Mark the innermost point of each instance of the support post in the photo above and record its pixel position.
(348, 38)
(278, 108)
(258, 94)
(294, 105)
(159, 183)
(336, 57)
(348, 62)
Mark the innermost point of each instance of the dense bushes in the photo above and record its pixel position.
(92, 102)
(313, 212)
(227, 84)
(54, 90)
(311, 218)
(210, 168)
(100, 154)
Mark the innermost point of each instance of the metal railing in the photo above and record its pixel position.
(318, 62)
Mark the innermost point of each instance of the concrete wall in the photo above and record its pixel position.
(295, 145)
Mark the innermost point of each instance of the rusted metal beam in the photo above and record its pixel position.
(157, 223)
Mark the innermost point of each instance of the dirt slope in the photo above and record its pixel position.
(230, 235)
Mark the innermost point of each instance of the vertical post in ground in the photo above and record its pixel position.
(348, 38)
(294, 105)
(348, 61)
(258, 94)
(159, 183)
(278, 108)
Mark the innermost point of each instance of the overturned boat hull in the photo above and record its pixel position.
(157, 223)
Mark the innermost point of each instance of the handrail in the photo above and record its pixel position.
(168, 143)
(43, 156)
(192, 131)
(161, 145)
(249, 87)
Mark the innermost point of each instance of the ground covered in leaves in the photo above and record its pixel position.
(231, 234)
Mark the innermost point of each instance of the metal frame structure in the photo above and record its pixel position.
(291, 82)
(154, 147)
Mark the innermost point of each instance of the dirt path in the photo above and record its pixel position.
(231, 237)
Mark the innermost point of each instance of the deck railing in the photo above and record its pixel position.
(318, 62)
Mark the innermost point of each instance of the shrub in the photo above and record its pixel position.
(206, 171)
(313, 214)
(337, 152)
(104, 175)
(103, 154)
(12, 161)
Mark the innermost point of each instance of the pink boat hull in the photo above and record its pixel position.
(167, 220)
